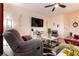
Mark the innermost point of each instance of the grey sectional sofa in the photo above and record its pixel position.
(33, 47)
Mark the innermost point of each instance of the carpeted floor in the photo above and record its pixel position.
(7, 51)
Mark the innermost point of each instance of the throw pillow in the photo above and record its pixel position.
(26, 37)
(76, 36)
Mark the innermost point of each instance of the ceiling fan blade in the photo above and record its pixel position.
(53, 9)
(61, 5)
(49, 5)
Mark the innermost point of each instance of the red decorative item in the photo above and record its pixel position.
(72, 41)
(76, 36)
(1, 28)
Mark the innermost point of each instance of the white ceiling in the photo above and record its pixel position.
(39, 8)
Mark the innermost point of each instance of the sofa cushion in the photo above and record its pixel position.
(76, 36)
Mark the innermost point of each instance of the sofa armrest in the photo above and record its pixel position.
(31, 43)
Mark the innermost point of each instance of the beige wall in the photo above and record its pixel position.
(21, 19)
(54, 20)
(70, 18)
(65, 22)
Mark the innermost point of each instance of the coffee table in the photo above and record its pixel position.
(60, 54)
(56, 51)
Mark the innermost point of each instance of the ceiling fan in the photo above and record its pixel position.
(55, 5)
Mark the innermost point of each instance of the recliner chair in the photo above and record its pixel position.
(33, 47)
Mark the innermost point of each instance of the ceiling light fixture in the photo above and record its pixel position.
(56, 5)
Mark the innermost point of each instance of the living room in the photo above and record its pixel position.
(62, 20)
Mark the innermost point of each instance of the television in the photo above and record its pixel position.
(36, 22)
